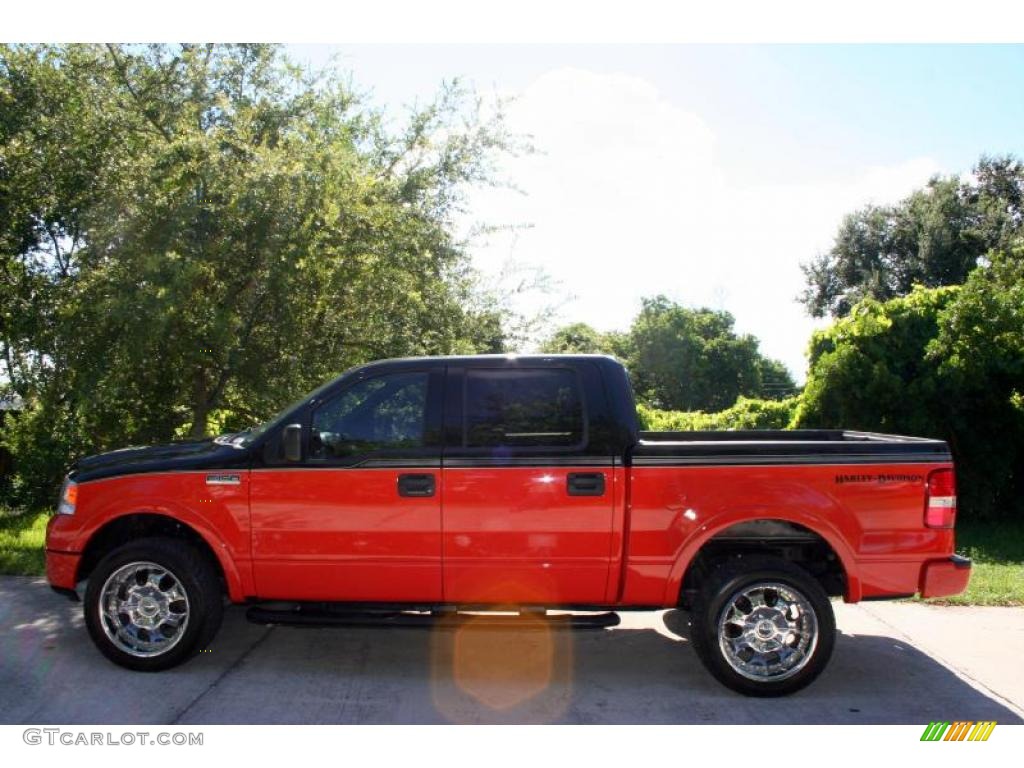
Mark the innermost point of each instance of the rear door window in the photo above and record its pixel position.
(526, 407)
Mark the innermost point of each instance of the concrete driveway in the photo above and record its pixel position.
(894, 663)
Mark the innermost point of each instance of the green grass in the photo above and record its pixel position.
(997, 550)
(21, 543)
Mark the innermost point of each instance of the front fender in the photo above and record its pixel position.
(218, 514)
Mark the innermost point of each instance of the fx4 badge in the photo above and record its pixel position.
(230, 479)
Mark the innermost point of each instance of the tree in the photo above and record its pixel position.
(980, 355)
(997, 193)
(869, 370)
(934, 237)
(690, 359)
(682, 359)
(776, 380)
(582, 339)
(193, 235)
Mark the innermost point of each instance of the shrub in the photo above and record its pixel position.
(747, 413)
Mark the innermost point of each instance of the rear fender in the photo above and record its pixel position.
(813, 522)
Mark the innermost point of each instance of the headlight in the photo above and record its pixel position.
(68, 498)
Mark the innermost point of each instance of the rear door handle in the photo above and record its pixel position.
(585, 483)
(415, 485)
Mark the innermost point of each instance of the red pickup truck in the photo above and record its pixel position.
(420, 489)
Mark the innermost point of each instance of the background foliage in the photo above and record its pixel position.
(191, 236)
(927, 339)
(683, 359)
(941, 362)
(932, 238)
(909, 355)
(747, 413)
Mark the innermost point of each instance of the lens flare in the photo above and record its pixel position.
(502, 665)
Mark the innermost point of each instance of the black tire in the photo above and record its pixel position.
(199, 581)
(726, 583)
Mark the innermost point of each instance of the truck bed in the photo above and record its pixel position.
(777, 446)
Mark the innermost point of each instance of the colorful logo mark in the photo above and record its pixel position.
(961, 730)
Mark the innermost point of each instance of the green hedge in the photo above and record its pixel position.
(747, 413)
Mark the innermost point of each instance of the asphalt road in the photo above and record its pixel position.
(894, 663)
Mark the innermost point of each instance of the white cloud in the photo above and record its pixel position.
(628, 198)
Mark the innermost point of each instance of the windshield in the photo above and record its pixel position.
(247, 436)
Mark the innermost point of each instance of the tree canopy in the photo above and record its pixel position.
(682, 358)
(191, 236)
(582, 339)
(934, 237)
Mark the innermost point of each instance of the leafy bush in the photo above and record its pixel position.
(40, 438)
(747, 413)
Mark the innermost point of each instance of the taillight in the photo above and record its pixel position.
(940, 501)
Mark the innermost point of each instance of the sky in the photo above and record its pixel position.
(705, 173)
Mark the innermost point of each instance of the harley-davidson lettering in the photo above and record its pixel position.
(843, 479)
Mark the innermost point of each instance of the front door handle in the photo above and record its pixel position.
(585, 483)
(415, 485)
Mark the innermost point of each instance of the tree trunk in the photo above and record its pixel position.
(200, 405)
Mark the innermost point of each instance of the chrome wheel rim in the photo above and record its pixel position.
(143, 609)
(768, 631)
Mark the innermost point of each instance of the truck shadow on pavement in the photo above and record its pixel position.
(640, 672)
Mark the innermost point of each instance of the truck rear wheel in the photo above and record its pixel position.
(762, 626)
(152, 604)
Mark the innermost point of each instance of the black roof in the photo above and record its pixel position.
(510, 359)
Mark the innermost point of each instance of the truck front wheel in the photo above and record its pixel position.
(762, 626)
(153, 603)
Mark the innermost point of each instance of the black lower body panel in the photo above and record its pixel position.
(306, 616)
